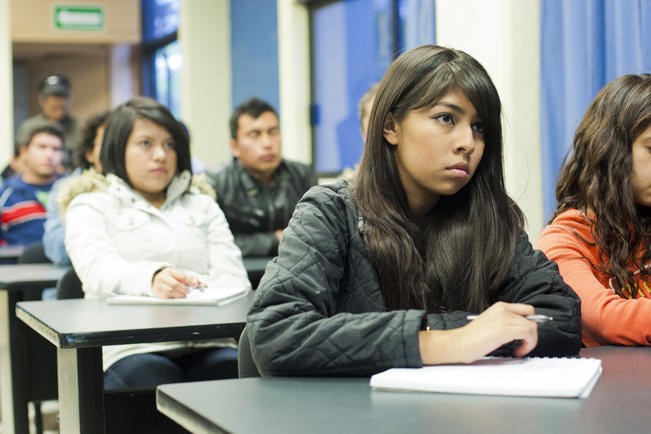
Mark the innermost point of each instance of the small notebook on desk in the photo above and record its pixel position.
(531, 376)
(206, 297)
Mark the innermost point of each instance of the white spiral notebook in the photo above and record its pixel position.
(530, 376)
(206, 297)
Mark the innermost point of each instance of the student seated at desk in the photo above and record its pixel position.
(383, 271)
(147, 228)
(23, 197)
(258, 189)
(85, 157)
(600, 234)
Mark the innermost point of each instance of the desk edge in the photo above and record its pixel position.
(38, 326)
(170, 407)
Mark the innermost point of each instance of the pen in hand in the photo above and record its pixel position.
(535, 318)
(199, 288)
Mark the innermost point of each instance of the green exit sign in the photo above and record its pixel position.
(78, 17)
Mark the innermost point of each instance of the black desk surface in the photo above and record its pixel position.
(79, 328)
(81, 323)
(26, 275)
(618, 404)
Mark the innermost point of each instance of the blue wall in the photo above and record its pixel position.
(254, 51)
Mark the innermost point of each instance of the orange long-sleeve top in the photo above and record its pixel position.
(606, 317)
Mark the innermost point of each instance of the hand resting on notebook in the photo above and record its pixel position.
(498, 325)
(172, 283)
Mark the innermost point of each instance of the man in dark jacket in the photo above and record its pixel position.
(258, 189)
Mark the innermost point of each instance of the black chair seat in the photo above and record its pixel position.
(33, 254)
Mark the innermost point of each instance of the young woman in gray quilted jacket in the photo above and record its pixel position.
(383, 271)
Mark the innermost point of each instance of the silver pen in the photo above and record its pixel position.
(535, 318)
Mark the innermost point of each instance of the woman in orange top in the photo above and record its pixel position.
(600, 234)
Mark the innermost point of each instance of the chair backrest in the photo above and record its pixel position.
(33, 254)
(245, 366)
(69, 286)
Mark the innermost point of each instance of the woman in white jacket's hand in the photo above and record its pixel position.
(148, 228)
(172, 283)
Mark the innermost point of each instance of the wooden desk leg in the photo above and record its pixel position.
(81, 390)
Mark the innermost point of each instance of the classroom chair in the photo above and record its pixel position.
(69, 286)
(33, 254)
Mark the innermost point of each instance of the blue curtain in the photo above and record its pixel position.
(584, 45)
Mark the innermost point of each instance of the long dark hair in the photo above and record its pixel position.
(457, 258)
(120, 124)
(596, 176)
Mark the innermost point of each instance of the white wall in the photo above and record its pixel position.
(504, 35)
(121, 78)
(6, 87)
(204, 35)
(294, 80)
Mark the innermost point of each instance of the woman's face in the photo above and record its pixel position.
(437, 149)
(150, 160)
(642, 168)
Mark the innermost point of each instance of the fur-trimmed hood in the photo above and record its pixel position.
(89, 181)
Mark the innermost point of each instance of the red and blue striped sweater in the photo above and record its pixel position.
(22, 211)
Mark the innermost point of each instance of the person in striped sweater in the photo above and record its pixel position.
(23, 197)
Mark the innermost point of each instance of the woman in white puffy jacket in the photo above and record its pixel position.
(146, 227)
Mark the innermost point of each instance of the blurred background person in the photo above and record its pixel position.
(54, 102)
(85, 157)
(365, 106)
(23, 197)
(258, 189)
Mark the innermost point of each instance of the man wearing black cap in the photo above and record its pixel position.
(53, 98)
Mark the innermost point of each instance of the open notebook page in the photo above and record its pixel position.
(530, 376)
(203, 297)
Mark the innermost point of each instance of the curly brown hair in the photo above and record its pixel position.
(596, 178)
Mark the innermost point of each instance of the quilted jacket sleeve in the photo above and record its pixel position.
(293, 323)
(533, 279)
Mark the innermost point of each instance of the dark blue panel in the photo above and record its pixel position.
(353, 45)
(159, 18)
(351, 50)
(254, 51)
